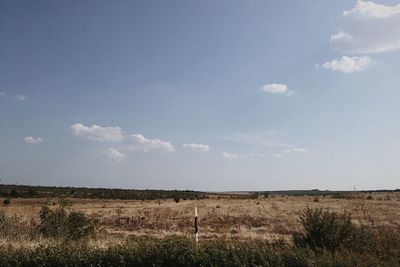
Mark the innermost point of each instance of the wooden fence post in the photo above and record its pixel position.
(196, 228)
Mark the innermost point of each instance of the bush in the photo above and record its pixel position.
(177, 199)
(324, 229)
(62, 224)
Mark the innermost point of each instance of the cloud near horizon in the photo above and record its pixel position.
(145, 144)
(196, 147)
(228, 155)
(115, 154)
(295, 150)
(98, 133)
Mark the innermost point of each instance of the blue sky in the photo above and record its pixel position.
(204, 95)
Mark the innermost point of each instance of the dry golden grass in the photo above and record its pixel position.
(269, 218)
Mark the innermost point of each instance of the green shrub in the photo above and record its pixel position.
(60, 223)
(324, 229)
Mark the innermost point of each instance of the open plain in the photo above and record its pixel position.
(221, 216)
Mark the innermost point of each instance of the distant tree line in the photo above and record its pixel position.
(26, 191)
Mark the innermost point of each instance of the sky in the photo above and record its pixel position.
(202, 95)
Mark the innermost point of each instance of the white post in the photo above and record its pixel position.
(196, 228)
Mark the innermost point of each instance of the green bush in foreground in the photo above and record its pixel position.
(324, 229)
(60, 223)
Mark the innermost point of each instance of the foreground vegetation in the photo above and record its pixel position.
(236, 230)
(183, 252)
(325, 239)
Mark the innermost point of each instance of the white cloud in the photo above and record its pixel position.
(98, 133)
(33, 140)
(295, 150)
(115, 154)
(21, 97)
(197, 147)
(372, 10)
(275, 88)
(228, 155)
(349, 64)
(147, 144)
(368, 28)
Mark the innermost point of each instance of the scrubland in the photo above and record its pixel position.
(220, 216)
(362, 228)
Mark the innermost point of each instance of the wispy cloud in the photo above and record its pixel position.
(145, 144)
(229, 155)
(349, 64)
(290, 93)
(295, 150)
(33, 140)
(115, 154)
(196, 147)
(98, 133)
(21, 97)
(368, 28)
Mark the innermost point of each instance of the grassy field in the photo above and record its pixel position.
(221, 216)
(236, 229)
